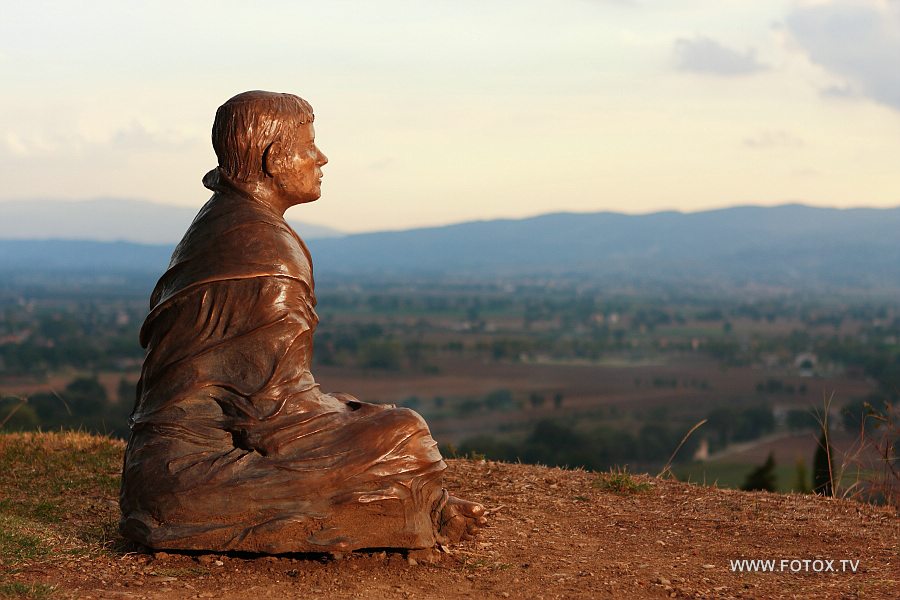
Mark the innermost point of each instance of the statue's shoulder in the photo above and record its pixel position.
(239, 229)
(232, 238)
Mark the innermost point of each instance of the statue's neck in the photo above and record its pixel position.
(257, 191)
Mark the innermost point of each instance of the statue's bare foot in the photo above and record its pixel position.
(458, 519)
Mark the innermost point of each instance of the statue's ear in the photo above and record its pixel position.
(271, 159)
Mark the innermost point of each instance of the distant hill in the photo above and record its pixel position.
(789, 246)
(109, 219)
(83, 256)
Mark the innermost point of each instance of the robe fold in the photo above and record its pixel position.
(233, 444)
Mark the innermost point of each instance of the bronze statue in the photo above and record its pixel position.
(233, 445)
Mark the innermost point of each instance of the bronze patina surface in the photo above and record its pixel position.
(233, 445)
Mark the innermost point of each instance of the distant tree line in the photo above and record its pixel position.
(553, 443)
(82, 405)
(86, 337)
(727, 425)
(777, 386)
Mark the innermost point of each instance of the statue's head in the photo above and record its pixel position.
(265, 141)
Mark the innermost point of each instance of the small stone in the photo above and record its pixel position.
(709, 566)
(412, 562)
(219, 563)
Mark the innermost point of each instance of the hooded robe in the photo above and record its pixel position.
(233, 445)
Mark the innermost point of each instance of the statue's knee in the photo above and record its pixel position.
(409, 418)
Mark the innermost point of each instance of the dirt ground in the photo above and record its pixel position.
(554, 534)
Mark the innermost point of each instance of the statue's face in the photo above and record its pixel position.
(300, 175)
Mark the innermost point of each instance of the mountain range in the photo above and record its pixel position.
(785, 246)
(790, 246)
(109, 220)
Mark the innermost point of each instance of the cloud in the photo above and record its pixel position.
(766, 140)
(805, 172)
(39, 144)
(14, 145)
(707, 56)
(858, 41)
(381, 163)
(132, 138)
(842, 91)
(137, 137)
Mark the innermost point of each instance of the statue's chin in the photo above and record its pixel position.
(298, 200)
(308, 196)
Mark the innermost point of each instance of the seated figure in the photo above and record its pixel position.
(233, 445)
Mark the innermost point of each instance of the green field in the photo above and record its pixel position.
(732, 475)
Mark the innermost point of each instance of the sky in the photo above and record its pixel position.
(446, 111)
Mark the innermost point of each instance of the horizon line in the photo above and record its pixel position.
(344, 233)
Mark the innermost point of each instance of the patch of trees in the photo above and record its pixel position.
(86, 337)
(82, 405)
(799, 420)
(864, 415)
(728, 424)
(823, 467)
(504, 400)
(762, 477)
(777, 386)
(369, 346)
(553, 443)
(649, 318)
(726, 350)
(407, 301)
(878, 361)
(661, 381)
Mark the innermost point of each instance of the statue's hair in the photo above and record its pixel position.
(247, 124)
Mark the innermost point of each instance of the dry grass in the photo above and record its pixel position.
(56, 493)
(620, 481)
(554, 533)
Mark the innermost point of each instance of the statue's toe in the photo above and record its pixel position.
(461, 519)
